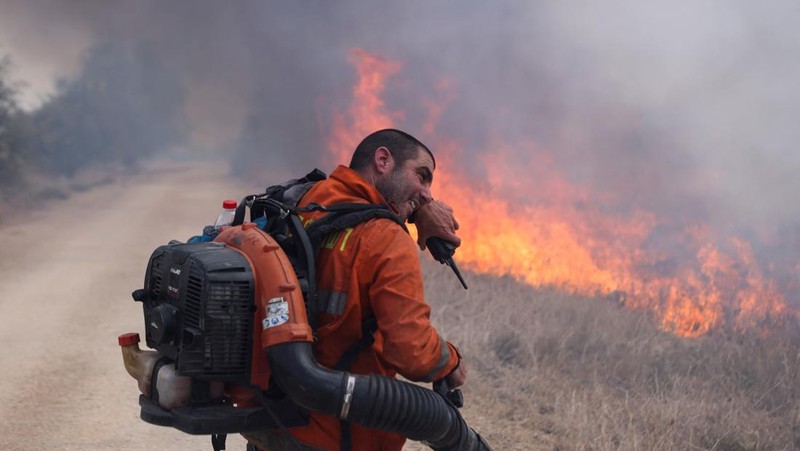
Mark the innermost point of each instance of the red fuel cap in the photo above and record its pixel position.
(129, 339)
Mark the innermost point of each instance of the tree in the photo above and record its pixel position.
(14, 130)
(125, 104)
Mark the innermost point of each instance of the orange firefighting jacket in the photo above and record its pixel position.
(371, 269)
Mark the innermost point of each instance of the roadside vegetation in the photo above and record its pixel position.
(553, 371)
(99, 119)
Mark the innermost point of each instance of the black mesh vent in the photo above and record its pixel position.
(222, 309)
(228, 327)
(192, 308)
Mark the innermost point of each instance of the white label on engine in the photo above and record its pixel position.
(277, 313)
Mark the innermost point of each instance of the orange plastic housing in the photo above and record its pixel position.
(280, 315)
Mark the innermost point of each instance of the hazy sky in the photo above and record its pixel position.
(681, 106)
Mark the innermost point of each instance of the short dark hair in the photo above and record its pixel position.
(402, 146)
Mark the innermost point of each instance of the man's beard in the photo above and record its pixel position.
(393, 190)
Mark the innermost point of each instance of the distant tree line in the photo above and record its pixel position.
(13, 131)
(124, 104)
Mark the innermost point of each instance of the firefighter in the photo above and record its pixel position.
(370, 274)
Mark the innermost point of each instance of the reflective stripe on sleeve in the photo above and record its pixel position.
(444, 358)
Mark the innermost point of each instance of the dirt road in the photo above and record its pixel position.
(66, 275)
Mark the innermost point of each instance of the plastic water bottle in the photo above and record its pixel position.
(225, 217)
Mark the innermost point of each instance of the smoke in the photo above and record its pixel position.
(711, 86)
(685, 109)
(47, 43)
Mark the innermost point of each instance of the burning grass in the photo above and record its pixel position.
(556, 371)
(550, 230)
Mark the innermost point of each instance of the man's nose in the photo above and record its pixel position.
(426, 194)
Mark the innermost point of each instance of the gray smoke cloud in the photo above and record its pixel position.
(684, 108)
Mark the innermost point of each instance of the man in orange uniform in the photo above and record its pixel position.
(373, 270)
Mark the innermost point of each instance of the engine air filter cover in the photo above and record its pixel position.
(198, 310)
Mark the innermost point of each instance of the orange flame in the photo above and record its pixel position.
(525, 220)
(367, 112)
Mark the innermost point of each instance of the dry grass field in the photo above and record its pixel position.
(552, 371)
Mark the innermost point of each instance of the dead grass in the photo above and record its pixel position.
(555, 371)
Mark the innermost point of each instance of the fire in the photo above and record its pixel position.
(367, 109)
(522, 218)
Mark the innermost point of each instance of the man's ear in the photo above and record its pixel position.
(383, 160)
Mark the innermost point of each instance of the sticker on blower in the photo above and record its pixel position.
(277, 313)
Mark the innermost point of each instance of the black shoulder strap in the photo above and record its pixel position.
(368, 328)
(218, 441)
(344, 215)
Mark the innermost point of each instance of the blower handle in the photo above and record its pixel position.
(454, 397)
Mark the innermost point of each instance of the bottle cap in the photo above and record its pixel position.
(228, 204)
(128, 339)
